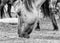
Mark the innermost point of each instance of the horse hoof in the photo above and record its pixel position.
(20, 36)
(55, 30)
(26, 36)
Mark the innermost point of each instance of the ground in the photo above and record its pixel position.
(8, 33)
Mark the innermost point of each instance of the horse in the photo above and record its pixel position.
(49, 11)
(29, 14)
(25, 25)
(3, 3)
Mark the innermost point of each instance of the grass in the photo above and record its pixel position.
(8, 33)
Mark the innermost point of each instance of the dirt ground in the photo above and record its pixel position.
(8, 34)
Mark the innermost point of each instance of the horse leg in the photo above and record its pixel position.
(28, 30)
(37, 27)
(24, 29)
(9, 10)
(54, 22)
(0, 14)
(2, 11)
(20, 23)
(21, 27)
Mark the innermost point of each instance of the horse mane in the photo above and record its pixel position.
(45, 8)
(28, 5)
